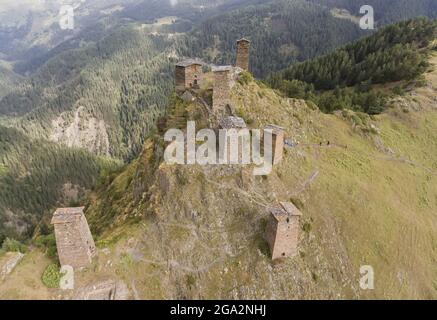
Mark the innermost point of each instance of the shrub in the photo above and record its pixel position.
(307, 227)
(421, 81)
(51, 276)
(245, 78)
(398, 91)
(49, 243)
(11, 245)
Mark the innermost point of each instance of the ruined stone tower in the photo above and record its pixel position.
(188, 74)
(243, 53)
(221, 97)
(277, 142)
(282, 233)
(74, 241)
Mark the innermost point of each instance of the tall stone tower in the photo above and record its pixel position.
(243, 53)
(74, 241)
(282, 233)
(277, 142)
(188, 74)
(221, 97)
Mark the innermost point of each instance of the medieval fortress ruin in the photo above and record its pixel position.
(74, 241)
(282, 232)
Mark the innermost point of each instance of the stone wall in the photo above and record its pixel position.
(180, 77)
(222, 90)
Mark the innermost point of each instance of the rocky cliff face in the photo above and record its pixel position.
(83, 131)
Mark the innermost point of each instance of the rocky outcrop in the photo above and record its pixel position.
(104, 290)
(13, 259)
(82, 131)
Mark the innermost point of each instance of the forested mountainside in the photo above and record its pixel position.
(281, 32)
(113, 91)
(8, 80)
(386, 11)
(394, 53)
(99, 100)
(36, 175)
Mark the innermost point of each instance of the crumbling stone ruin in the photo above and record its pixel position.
(243, 52)
(74, 241)
(232, 123)
(277, 142)
(221, 97)
(282, 233)
(188, 74)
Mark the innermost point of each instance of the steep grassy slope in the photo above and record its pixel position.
(369, 198)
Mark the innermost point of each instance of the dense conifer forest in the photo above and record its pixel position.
(394, 53)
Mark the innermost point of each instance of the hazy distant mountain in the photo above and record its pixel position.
(31, 27)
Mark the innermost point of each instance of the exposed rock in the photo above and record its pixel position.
(10, 264)
(188, 97)
(82, 131)
(104, 290)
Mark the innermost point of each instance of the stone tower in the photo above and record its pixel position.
(188, 74)
(277, 142)
(243, 53)
(74, 241)
(221, 97)
(282, 233)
